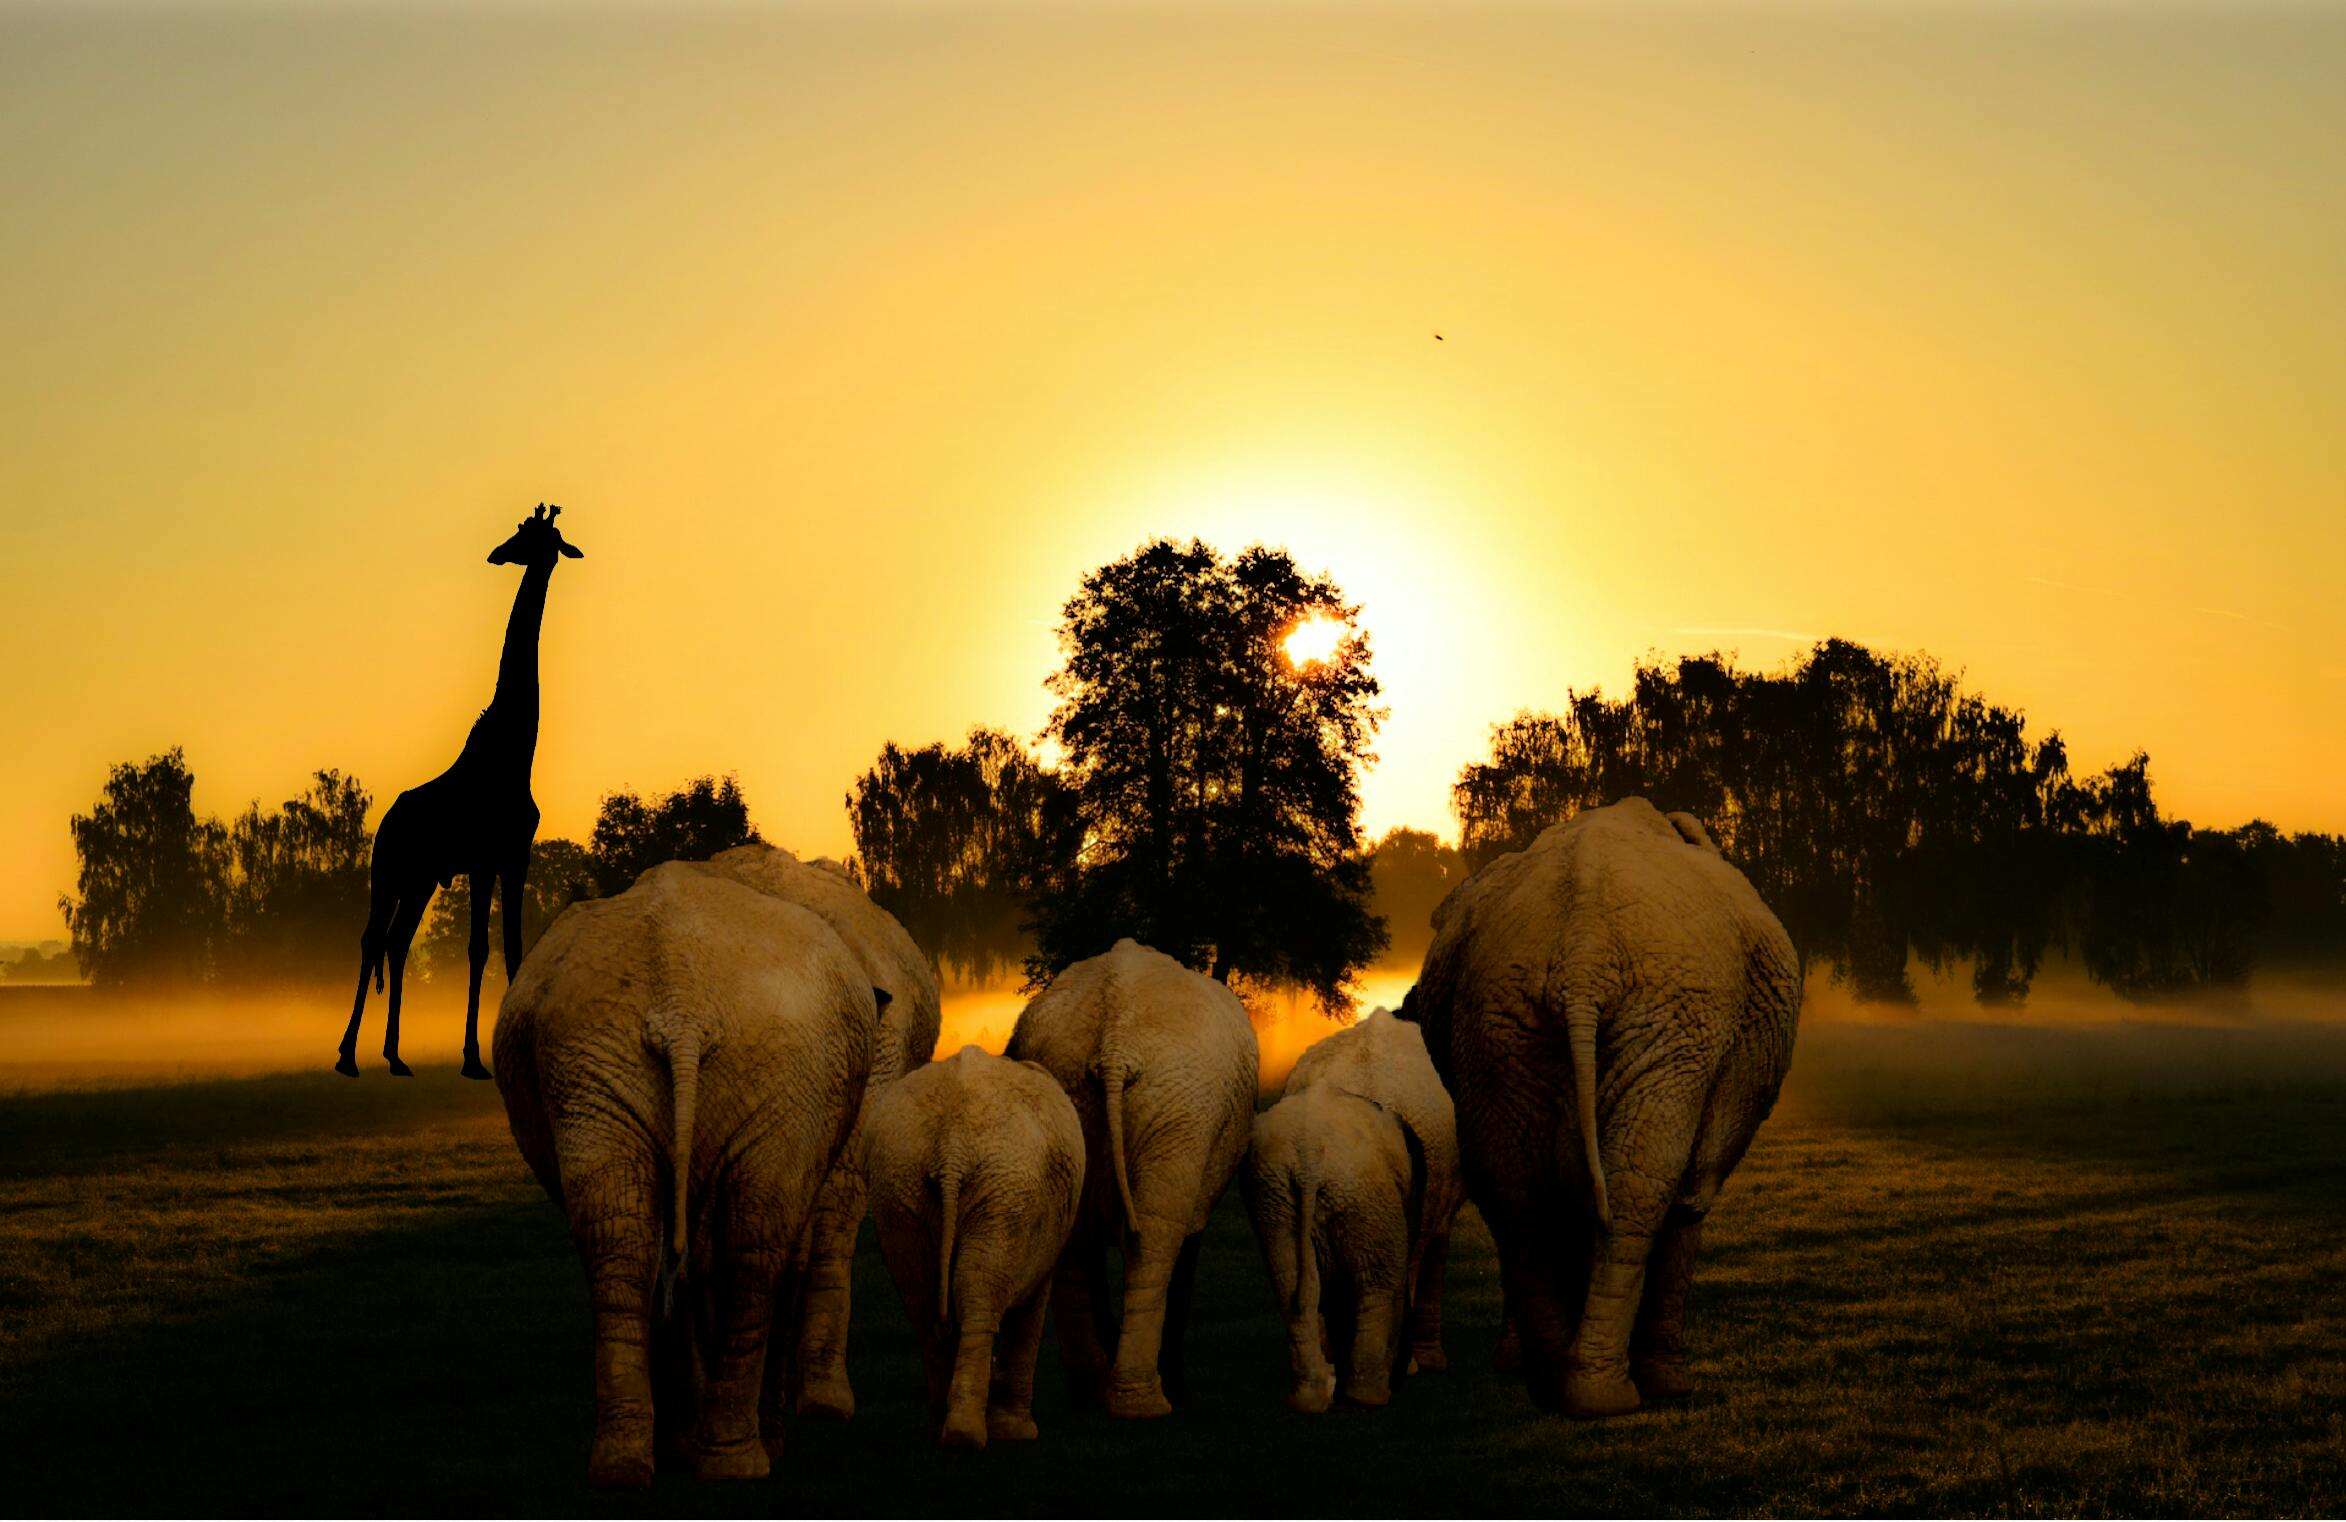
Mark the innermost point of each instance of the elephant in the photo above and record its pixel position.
(1384, 1060)
(814, 1382)
(976, 1171)
(1335, 1184)
(1162, 1066)
(681, 1065)
(1613, 1010)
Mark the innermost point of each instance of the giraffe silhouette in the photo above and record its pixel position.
(476, 818)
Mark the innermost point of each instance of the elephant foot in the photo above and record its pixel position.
(1138, 1402)
(962, 1431)
(1367, 1394)
(1012, 1426)
(1591, 1396)
(1428, 1358)
(1662, 1377)
(620, 1463)
(736, 1461)
(472, 1066)
(1313, 1398)
(398, 1069)
(346, 1065)
(828, 1396)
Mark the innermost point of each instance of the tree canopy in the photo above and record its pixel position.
(1215, 778)
(1887, 814)
(693, 823)
(959, 843)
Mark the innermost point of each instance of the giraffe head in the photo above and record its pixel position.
(536, 541)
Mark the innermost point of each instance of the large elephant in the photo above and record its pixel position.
(1335, 1184)
(681, 1065)
(1162, 1065)
(1613, 1010)
(815, 1379)
(1384, 1060)
(976, 1171)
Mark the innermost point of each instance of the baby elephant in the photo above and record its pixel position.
(1335, 1185)
(976, 1170)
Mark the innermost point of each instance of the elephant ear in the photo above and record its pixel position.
(1691, 831)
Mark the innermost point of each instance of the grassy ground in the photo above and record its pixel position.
(1965, 1270)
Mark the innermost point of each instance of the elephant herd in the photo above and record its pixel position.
(715, 1072)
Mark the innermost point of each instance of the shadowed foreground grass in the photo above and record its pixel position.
(1965, 1270)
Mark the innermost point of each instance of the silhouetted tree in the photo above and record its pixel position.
(1410, 873)
(957, 844)
(1881, 811)
(151, 880)
(1216, 780)
(561, 872)
(297, 882)
(693, 823)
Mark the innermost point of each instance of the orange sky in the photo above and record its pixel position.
(851, 336)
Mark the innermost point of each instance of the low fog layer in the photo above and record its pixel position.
(51, 1037)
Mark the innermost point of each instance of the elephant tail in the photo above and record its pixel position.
(1112, 1080)
(1580, 1026)
(684, 1071)
(948, 1216)
(1307, 1258)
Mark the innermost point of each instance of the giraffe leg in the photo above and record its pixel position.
(477, 953)
(370, 962)
(410, 915)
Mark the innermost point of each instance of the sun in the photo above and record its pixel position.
(1314, 640)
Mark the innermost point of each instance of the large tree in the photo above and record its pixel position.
(959, 843)
(151, 903)
(1216, 776)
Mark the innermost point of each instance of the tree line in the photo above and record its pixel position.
(277, 896)
(1212, 718)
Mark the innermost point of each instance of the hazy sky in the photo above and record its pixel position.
(851, 337)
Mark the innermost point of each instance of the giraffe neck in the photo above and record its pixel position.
(516, 702)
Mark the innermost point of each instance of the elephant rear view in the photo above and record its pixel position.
(1161, 1064)
(1613, 1010)
(1385, 1061)
(809, 1373)
(1335, 1184)
(681, 1065)
(976, 1170)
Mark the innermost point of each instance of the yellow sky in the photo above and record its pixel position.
(850, 337)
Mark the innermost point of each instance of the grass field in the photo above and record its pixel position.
(1966, 1269)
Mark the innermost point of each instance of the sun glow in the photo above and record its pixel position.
(1314, 640)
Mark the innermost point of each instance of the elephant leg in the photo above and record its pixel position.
(1543, 1266)
(1597, 1381)
(1376, 1329)
(1508, 1359)
(1079, 1307)
(972, 1374)
(1010, 1406)
(1134, 1386)
(1657, 1348)
(620, 1243)
(727, 1444)
(1307, 1354)
(1173, 1361)
(823, 1389)
(780, 1382)
(1425, 1309)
